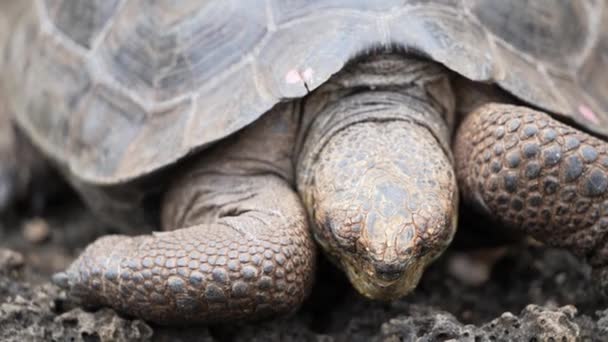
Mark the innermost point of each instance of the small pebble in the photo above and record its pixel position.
(474, 268)
(36, 230)
(10, 260)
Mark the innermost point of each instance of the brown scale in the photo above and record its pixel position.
(537, 174)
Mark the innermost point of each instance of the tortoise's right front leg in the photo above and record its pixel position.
(243, 252)
(240, 247)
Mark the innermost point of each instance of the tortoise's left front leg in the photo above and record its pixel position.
(539, 175)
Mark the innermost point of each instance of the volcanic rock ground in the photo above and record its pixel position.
(532, 293)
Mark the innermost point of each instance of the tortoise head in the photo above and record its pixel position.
(384, 216)
(386, 243)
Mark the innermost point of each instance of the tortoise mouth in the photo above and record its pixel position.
(367, 276)
(379, 286)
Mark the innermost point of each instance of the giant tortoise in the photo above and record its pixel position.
(243, 129)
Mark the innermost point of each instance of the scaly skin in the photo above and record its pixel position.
(375, 174)
(539, 175)
(240, 247)
(373, 169)
(254, 261)
(381, 193)
(402, 214)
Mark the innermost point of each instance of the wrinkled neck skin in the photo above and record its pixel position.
(426, 83)
(374, 169)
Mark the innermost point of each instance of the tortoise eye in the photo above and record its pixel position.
(405, 240)
(345, 234)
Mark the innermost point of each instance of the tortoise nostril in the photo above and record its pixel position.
(388, 272)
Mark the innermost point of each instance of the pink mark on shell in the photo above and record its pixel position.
(295, 76)
(588, 114)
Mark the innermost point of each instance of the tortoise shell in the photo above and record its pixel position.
(116, 89)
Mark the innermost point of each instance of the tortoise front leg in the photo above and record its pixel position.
(539, 175)
(239, 248)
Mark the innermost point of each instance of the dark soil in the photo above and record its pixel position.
(532, 294)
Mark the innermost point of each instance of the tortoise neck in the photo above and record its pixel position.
(379, 88)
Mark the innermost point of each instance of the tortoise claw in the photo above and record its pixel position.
(83, 280)
(61, 279)
(70, 282)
